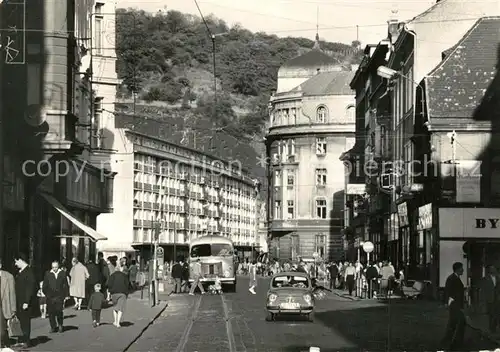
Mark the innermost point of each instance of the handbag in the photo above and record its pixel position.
(14, 327)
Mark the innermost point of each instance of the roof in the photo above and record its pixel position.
(457, 86)
(313, 58)
(210, 239)
(327, 83)
(291, 273)
(207, 139)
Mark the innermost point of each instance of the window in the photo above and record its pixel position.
(321, 177)
(290, 209)
(277, 209)
(290, 179)
(321, 146)
(408, 159)
(97, 140)
(98, 45)
(321, 114)
(350, 113)
(410, 90)
(289, 147)
(293, 116)
(214, 249)
(320, 245)
(277, 178)
(321, 208)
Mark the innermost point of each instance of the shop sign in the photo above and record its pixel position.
(425, 217)
(356, 189)
(469, 223)
(403, 214)
(394, 228)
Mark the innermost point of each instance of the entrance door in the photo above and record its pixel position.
(481, 255)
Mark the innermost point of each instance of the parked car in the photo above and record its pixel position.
(290, 293)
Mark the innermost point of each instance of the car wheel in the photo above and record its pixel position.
(270, 316)
(310, 317)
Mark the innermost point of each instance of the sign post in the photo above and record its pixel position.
(154, 280)
(315, 256)
(368, 247)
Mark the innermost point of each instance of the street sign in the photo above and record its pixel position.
(368, 247)
(315, 254)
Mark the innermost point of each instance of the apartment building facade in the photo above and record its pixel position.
(173, 194)
(52, 194)
(311, 125)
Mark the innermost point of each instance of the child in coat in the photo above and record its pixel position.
(42, 301)
(96, 301)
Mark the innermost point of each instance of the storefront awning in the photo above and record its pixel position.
(93, 234)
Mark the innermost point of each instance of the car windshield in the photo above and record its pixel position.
(290, 281)
(214, 249)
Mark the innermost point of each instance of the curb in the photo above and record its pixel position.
(143, 330)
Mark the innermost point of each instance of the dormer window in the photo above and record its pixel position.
(321, 114)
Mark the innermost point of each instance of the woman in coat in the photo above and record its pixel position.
(78, 274)
(7, 303)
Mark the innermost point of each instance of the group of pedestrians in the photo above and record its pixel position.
(95, 284)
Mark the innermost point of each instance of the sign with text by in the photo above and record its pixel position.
(469, 223)
(13, 32)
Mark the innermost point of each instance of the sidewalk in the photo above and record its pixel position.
(398, 325)
(80, 335)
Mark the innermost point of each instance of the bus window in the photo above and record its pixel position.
(215, 249)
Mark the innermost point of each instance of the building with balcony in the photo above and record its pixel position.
(444, 137)
(52, 193)
(311, 125)
(173, 194)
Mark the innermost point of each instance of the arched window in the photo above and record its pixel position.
(321, 114)
(350, 112)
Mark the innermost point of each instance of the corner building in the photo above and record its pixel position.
(312, 122)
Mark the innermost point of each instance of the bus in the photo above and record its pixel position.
(217, 258)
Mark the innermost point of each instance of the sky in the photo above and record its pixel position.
(338, 20)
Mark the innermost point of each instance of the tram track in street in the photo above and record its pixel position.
(210, 315)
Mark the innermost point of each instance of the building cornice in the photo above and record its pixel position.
(308, 129)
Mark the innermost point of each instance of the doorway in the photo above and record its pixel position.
(480, 255)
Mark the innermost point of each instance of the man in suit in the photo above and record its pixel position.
(490, 296)
(56, 289)
(25, 292)
(455, 298)
(7, 303)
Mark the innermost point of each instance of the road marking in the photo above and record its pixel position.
(189, 326)
(229, 328)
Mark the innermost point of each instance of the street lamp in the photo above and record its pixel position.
(387, 73)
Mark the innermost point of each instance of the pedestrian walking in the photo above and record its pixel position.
(350, 274)
(56, 288)
(78, 276)
(94, 277)
(386, 278)
(455, 298)
(177, 276)
(132, 275)
(334, 272)
(197, 276)
(7, 304)
(371, 278)
(96, 302)
(118, 288)
(490, 297)
(103, 272)
(185, 276)
(25, 293)
(42, 301)
(253, 277)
